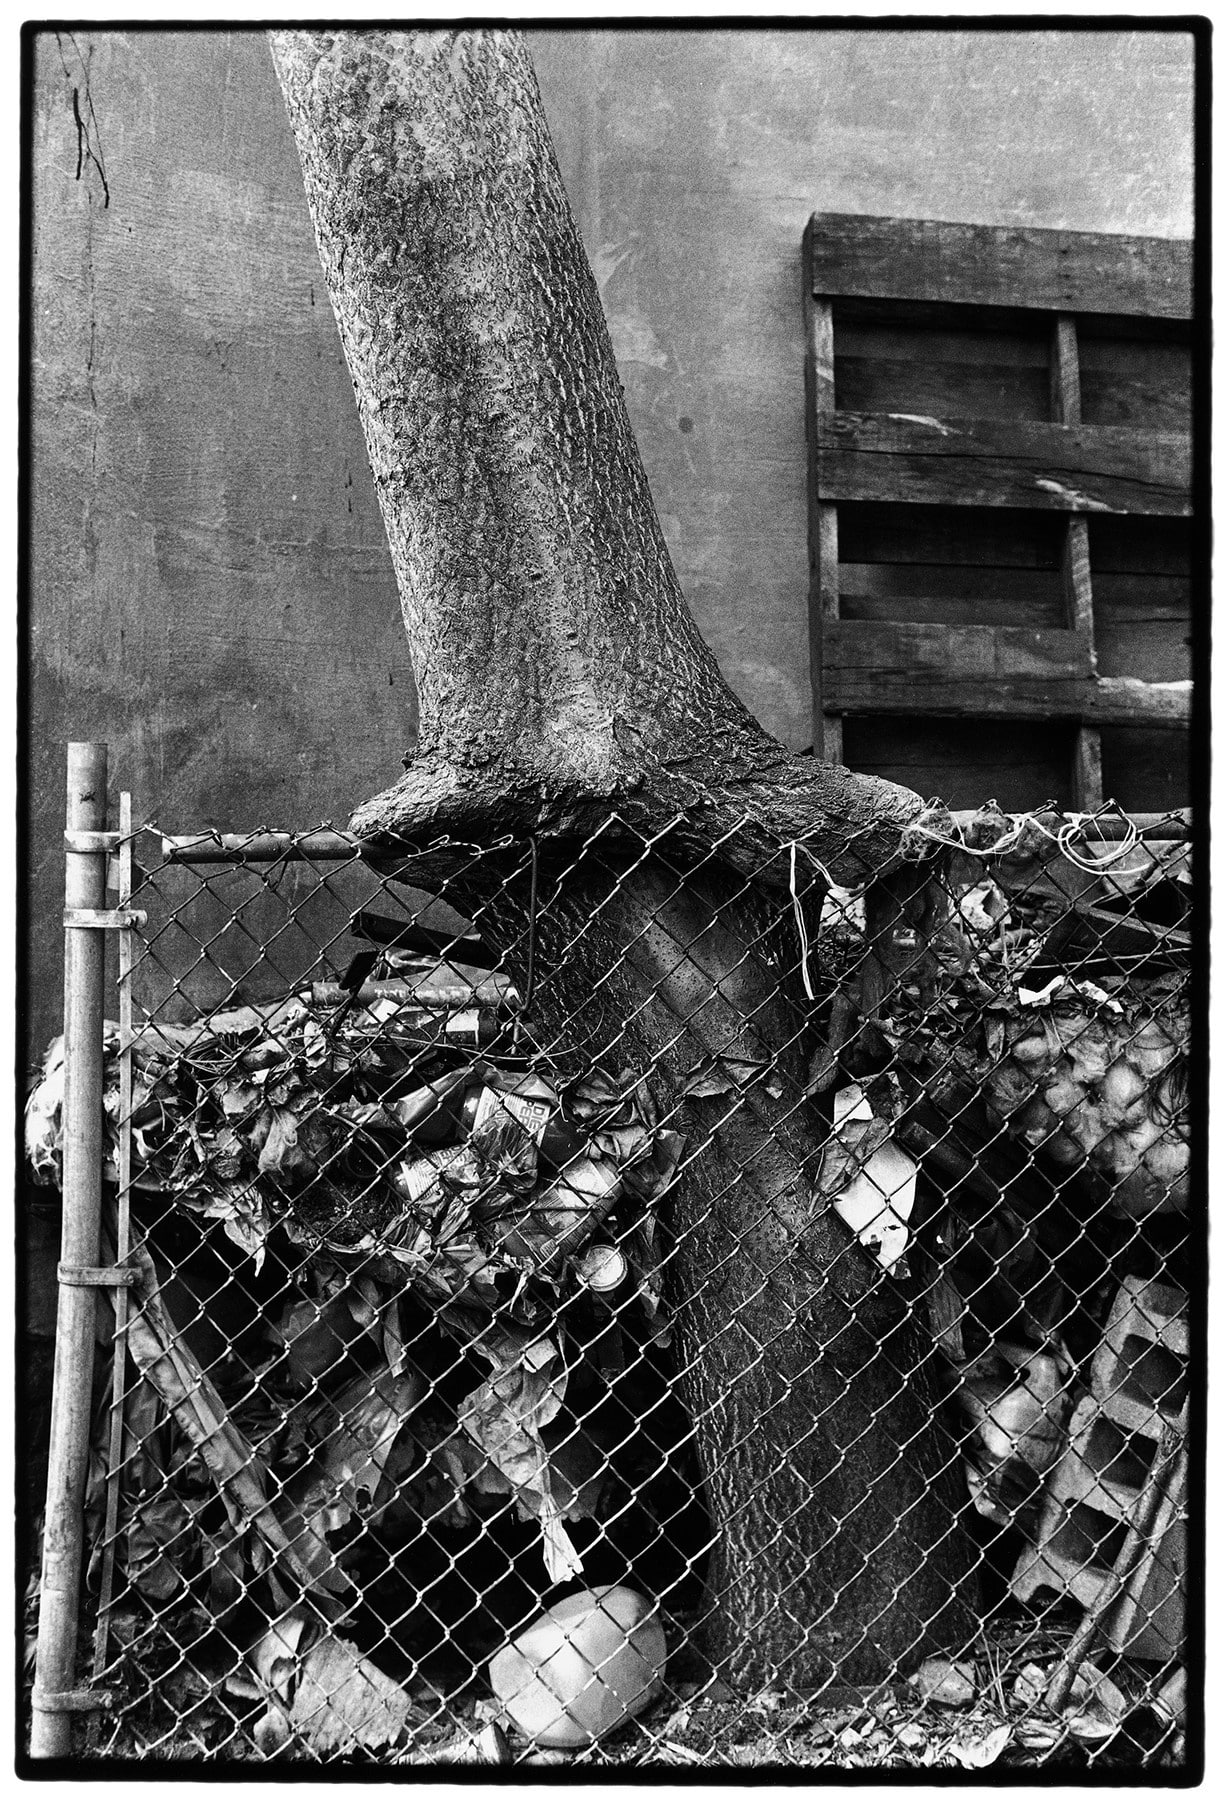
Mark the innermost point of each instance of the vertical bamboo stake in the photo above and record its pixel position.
(84, 968)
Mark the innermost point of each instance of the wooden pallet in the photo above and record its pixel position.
(1036, 383)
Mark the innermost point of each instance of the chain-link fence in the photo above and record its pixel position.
(616, 1308)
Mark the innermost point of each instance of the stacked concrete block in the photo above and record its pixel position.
(1140, 1370)
(1139, 1384)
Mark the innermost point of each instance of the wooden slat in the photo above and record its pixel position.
(973, 390)
(827, 606)
(823, 593)
(1125, 700)
(970, 653)
(1140, 623)
(1127, 382)
(1087, 769)
(1065, 371)
(896, 343)
(1078, 589)
(1016, 463)
(908, 584)
(1057, 271)
(1077, 584)
(964, 671)
(923, 596)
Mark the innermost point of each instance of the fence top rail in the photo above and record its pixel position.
(323, 845)
(329, 845)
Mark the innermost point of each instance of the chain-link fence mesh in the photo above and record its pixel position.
(623, 1309)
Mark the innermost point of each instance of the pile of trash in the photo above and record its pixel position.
(1048, 992)
(1019, 1034)
(421, 1208)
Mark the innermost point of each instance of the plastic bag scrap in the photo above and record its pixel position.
(505, 1417)
(869, 1179)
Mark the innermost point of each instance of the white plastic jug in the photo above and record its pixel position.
(582, 1668)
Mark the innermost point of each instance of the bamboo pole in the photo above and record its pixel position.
(84, 970)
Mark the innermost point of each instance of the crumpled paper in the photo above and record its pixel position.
(870, 1180)
(505, 1415)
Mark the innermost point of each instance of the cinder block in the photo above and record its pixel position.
(1066, 1559)
(1149, 1618)
(1139, 1372)
(1081, 1532)
(1104, 1465)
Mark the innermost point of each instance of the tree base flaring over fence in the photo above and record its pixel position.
(458, 1294)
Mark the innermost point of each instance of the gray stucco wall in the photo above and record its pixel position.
(210, 588)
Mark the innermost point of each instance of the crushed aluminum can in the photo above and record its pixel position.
(602, 1268)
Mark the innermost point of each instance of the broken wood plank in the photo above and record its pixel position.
(991, 265)
(1011, 462)
(949, 594)
(968, 654)
(978, 670)
(929, 385)
(1125, 381)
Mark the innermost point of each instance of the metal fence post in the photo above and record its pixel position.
(54, 1701)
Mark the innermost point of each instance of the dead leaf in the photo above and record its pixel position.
(1029, 1688)
(488, 1744)
(1096, 1707)
(980, 1753)
(344, 1702)
(945, 1683)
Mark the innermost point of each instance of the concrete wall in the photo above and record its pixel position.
(210, 587)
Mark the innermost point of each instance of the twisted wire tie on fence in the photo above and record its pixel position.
(798, 910)
(1013, 835)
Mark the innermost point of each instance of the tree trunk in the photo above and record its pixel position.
(564, 692)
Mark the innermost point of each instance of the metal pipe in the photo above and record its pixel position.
(63, 1532)
(327, 845)
(123, 1214)
(263, 846)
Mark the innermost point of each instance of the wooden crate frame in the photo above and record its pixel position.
(925, 272)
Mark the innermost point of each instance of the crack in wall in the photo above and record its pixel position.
(89, 136)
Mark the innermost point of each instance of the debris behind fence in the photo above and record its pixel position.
(408, 1456)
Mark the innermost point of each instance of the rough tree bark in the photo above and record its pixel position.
(561, 680)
